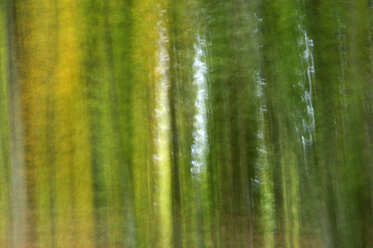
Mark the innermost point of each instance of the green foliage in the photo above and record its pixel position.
(186, 123)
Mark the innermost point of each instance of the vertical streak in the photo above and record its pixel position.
(119, 29)
(264, 179)
(16, 156)
(5, 201)
(18, 186)
(36, 69)
(199, 146)
(162, 133)
(200, 139)
(143, 69)
(308, 123)
(74, 200)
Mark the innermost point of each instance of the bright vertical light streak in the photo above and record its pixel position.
(308, 122)
(162, 138)
(264, 179)
(200, 138)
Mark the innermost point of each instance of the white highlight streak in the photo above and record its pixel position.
(200, 138)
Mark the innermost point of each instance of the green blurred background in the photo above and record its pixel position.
(186, 123)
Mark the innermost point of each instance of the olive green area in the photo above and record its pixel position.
(186, 123)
